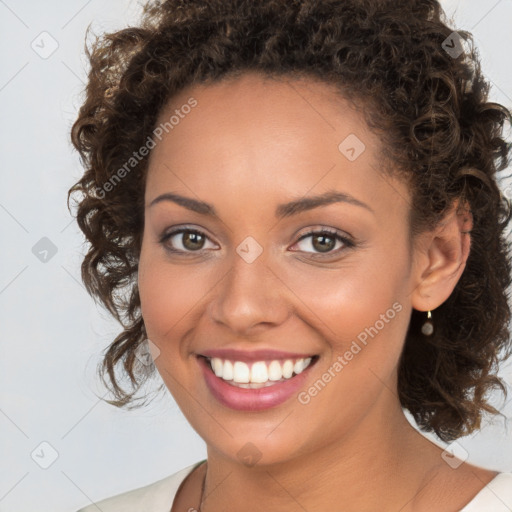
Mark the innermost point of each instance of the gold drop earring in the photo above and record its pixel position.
(428, 327)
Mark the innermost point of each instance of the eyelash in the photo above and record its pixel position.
(348, 243)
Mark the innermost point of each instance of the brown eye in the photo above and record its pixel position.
(190, 240)
(324, 241)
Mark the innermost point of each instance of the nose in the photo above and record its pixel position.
(250, 298)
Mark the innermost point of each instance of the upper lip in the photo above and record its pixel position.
(252, 355)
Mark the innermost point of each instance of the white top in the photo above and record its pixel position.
(496, 496)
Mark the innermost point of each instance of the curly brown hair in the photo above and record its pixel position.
(428, 106)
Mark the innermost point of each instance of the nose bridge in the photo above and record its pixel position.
(249, 293)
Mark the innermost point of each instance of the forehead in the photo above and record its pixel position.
(266, 136)
(304, 106)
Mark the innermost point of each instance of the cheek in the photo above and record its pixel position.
(168, 305)
(360, 311)
(362, 318)
(345, 301)
(169, 295)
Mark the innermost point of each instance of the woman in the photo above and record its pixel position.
(293, 207)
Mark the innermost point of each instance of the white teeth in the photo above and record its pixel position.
(241, 372)
(217, 366)
(301, 365)
(287, 369)
(259, 373)
(227, 370)
(275, 371)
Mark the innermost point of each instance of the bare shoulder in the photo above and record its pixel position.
(451, 487)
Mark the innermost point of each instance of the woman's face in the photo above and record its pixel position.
(246, 278)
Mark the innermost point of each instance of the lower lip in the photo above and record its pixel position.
(244, 399)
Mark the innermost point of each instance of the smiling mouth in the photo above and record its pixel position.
(258, 374)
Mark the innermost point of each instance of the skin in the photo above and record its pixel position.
(250, 144)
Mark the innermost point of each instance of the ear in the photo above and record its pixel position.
(440, 258)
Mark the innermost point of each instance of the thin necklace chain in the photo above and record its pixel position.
(202, 491)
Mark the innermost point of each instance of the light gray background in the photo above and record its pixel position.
(52, 332)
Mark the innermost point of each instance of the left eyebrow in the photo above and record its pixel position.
(283, 210)
(308, 203)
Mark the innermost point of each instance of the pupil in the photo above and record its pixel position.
(323, 247)
(193, 237)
